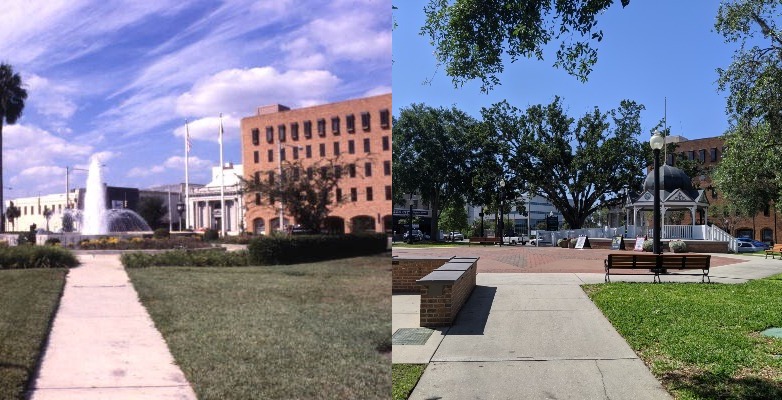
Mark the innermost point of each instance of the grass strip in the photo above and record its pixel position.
(702, 340)
(306, 331)
(28, 300)
(404, 378)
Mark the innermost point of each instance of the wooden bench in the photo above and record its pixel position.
(776, 250)
(658, 264)
(484, 240)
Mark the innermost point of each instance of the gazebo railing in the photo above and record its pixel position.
(677, 232)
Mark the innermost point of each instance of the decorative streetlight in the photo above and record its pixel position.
(502, 199)
(180, 208)
(657, 142)
(410, 231)
(481, 215)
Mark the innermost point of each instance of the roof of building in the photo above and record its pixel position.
(671, 178)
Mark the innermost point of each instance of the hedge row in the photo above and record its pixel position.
(274, 250)
(24, 257)
(183, 258)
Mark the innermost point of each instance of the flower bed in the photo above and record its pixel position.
(137, 243)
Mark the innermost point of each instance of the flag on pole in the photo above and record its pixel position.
(188, 144)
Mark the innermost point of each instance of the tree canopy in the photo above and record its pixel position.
(472, 36)
(580, 166)
(12, 98)
(434, 153)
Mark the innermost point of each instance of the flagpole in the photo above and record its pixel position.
(222, 181)
(187, 181)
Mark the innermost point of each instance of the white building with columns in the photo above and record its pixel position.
(204, 208)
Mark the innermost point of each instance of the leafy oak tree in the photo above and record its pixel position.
(454, 218)
(580, 166)
(152, 209)
(472, 36)
(433, 155)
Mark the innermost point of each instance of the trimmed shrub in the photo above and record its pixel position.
(52, 242)
(24, 257)
(572, 243)
(563, 243)
(648, 245)
(211, 235)
(677, 246)
(281, 249)
(137, 243)
(161, 233)
(185, 258)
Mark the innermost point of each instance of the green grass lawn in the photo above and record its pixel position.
(405, 377)
(28, 300)
(305, 331)
(702, 340)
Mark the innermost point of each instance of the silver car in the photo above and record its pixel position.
(747, 247)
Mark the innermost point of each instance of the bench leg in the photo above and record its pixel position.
(607, 279)
(706, 276)
(656, 278)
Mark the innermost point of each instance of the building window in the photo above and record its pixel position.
(257, 199)
(294, 131)
(257, 177)
(295, 153)
(669, 159)
(336, 148)
(767, 235)
(335, 125)
(256, 136)
(365, 121)
(323, 149)
(353, 194)
(338, 171)
(271, 178)
(321, 127)
(369, 194)
(386, 168)
(352, 170)
(256, 157)
(388, 192)
(308, 151)
(386, 143)
(713, 154)
(269, 134)
(691, 155)
(384, 119)
(309, 173)
(282, 154)
(368, 169)
(366, 145)
(350, 122)
(271, 155)
(351, 147)
(308, 129)
(702, 155)
(339, 194)
(281, 132)
(295, 173)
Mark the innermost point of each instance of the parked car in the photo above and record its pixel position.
(417, 235)
(454, 236)
(758, 243)
(515, 239)
(747, 247)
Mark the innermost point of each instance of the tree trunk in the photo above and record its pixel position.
(2, 188)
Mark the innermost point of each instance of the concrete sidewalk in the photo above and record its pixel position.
(538, 336)
(103, 344)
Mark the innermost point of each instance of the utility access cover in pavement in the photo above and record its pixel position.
(773, 332)
(411, 336)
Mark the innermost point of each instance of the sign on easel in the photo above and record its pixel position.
(581, 242)
(618, 243)
(639, 243)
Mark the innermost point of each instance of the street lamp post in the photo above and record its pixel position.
(410, 231)
(502, 199)
(481, 215)
(180, 208)
(657, 142)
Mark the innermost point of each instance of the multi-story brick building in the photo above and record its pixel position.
(356, 132)
(764, 226)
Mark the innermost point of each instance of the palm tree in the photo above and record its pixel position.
(12, 97)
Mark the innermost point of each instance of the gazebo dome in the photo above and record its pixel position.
(671, 178)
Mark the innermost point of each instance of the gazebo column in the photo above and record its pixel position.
(663, 210)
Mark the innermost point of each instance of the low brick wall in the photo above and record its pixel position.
(445, 290)
(406, 270)
(703, 246)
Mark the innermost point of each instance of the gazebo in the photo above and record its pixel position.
(676, 194)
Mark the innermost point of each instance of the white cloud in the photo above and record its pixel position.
(207, 129)
(242, 90)
(28, 146)
(172, 163)
(377, 91)
(138, 172)
(48, 98)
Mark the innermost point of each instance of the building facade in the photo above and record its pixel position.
(205, 207)
(356, 133)
(764, 226)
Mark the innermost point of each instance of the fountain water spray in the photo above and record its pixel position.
(94, 221)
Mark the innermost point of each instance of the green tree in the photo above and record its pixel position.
(432, 156)
(47, 213)
(12, 98)
(579, 166)
(152, 209)
(472, 36)
(308, 192)
(454, 218)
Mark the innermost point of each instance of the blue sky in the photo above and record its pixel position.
(651, 50)
(118, 79)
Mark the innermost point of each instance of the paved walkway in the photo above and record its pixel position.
(103, 344)
(538, 336)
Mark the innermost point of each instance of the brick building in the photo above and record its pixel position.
(357, 131)
(764, 226)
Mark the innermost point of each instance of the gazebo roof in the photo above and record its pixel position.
(676, 191)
